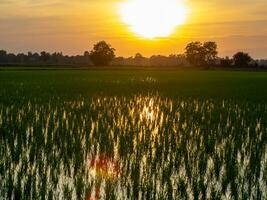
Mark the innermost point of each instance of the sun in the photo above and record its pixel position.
(153, 18)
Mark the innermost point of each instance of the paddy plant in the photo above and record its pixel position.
(133, 147)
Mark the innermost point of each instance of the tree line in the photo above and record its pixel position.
(196, 54)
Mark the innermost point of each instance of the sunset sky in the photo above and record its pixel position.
(74, 26)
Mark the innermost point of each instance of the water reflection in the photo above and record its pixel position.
(102, 168)
(141, 147)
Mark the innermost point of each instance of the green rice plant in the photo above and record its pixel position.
(137, 144)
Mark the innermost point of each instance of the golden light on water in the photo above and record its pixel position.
(153, 18)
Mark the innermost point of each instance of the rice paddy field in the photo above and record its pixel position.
(133, 134)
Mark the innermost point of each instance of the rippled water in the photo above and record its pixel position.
(140, 147)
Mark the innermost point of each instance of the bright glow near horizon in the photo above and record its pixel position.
(73, 27)
(153, 18)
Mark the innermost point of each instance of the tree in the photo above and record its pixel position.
(86, 54)
(226, 62)
(44, 56)
(3, 55)
(21, 57)
(102, 54)
(194, 52)
(199, 54)
(210, 50)
(56, 57)
(242, 59)
(138, 56)
(138, 59)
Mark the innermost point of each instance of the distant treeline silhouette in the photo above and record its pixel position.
(196, 54)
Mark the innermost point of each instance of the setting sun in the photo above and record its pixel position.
(153, 18)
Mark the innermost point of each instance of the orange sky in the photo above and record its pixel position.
(73, 27)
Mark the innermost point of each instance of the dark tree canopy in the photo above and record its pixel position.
(226, 62)
(199, 54)
(102, 54)
(194, 53)
(242, 59)
(138, 56)
(3, 54)
(210, 50)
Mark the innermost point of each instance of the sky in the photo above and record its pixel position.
(72, 27)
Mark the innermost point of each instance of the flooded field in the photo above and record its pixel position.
(131, 146)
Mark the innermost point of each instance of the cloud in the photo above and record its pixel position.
(69, 25)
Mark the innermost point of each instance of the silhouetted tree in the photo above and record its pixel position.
(139, 60)
(168, 61)
(199, 54)
(86, 56)
(3, 55)
(210, 50)
(29, 54)
(56, 57)
(44, 56)
(177, 60)
(138, 57)
(21, 57)
(158, 60)
(102, 54)
(241, 59)
(195, 53)
(226, 62)
(119, 61)
(35, 57)
(11, 58)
